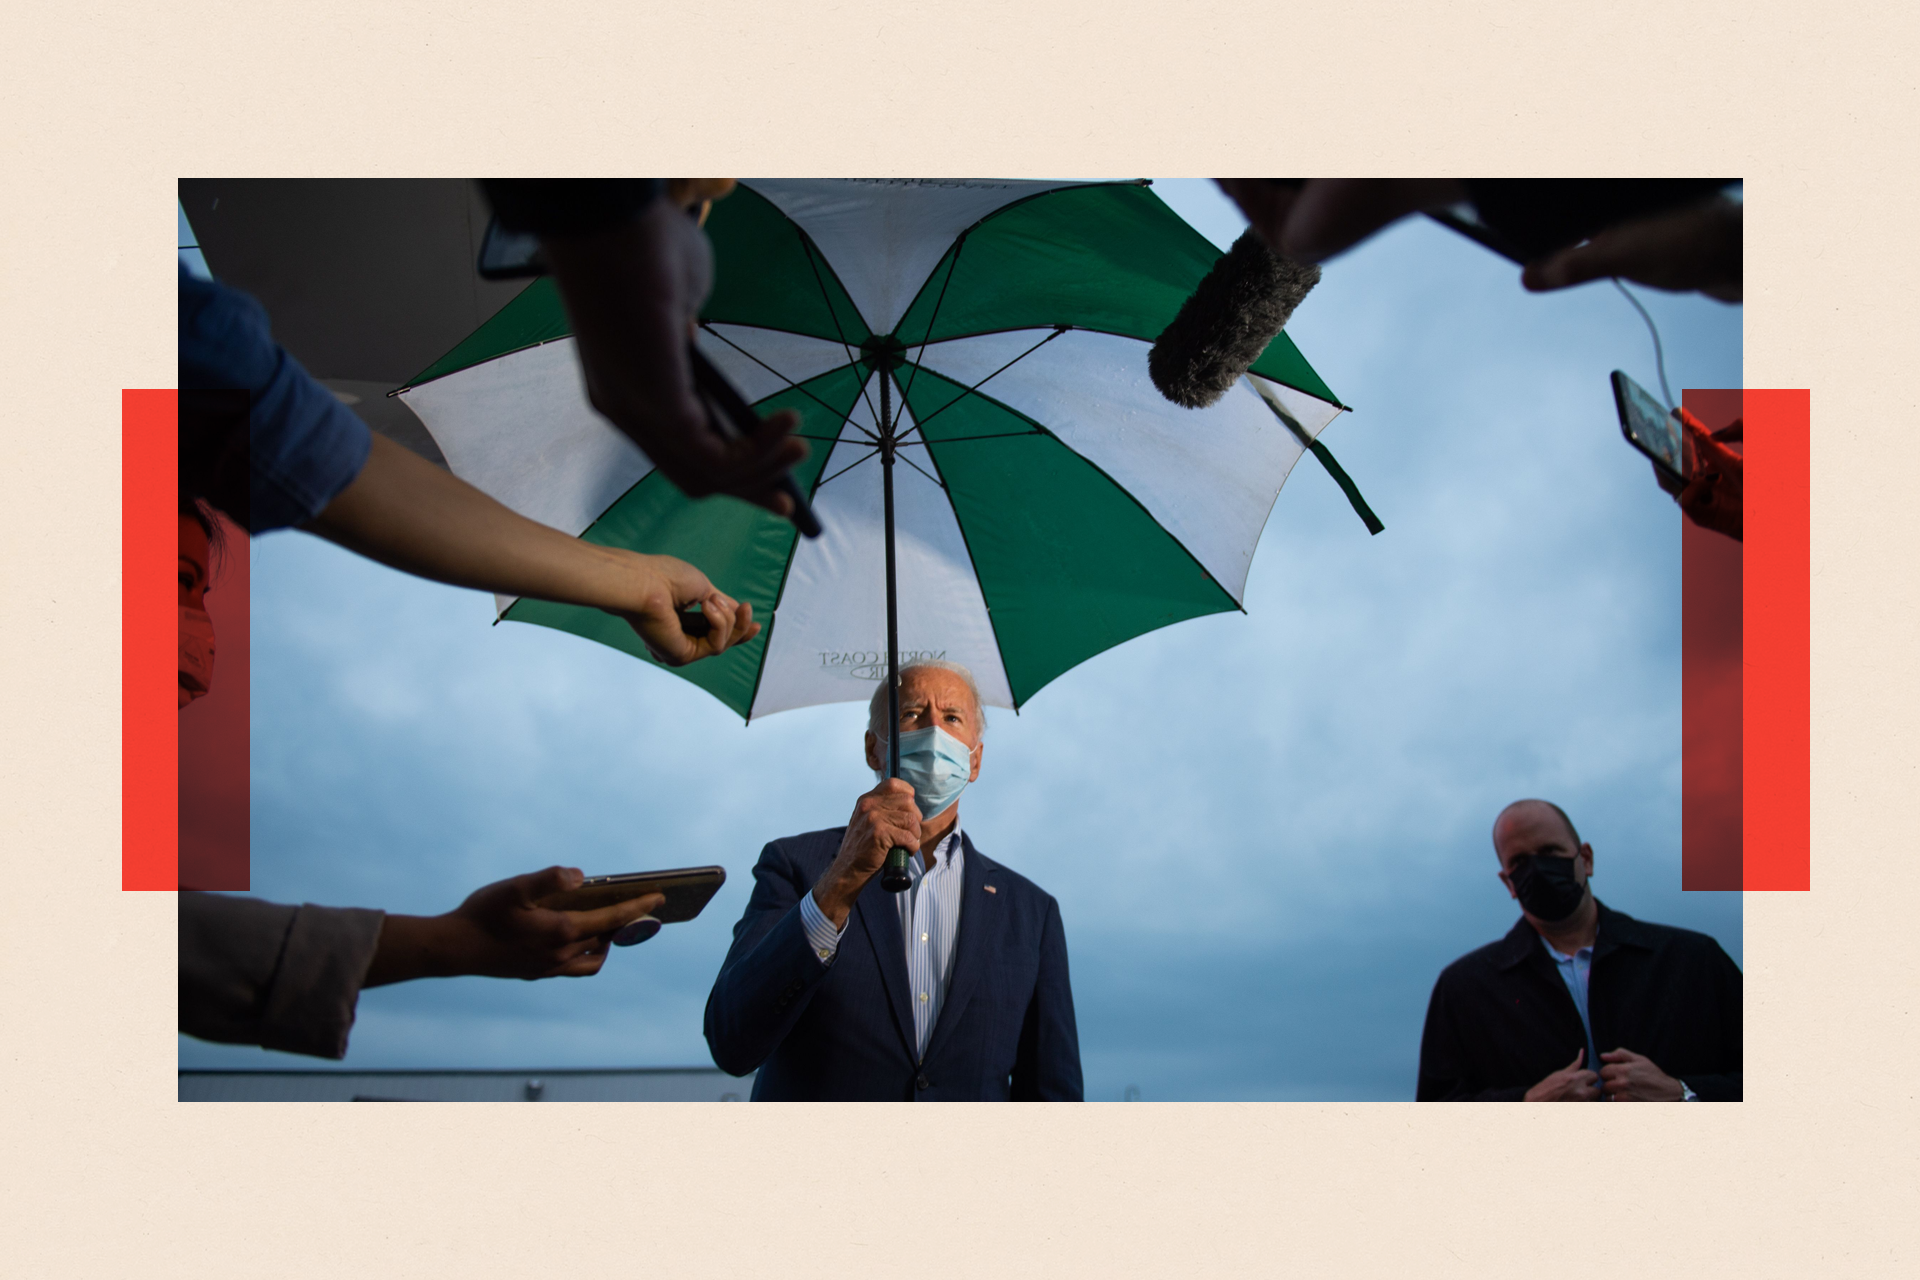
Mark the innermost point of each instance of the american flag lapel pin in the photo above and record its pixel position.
(991, 889)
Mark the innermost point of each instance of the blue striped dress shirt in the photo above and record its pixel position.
(929, 921)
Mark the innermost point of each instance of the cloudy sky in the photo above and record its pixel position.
(1267, 832)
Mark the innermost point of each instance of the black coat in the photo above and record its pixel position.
(1501, 1019)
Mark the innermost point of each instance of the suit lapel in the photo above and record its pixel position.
(881, 920)
(975, 941)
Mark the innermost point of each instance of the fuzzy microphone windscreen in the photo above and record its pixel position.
(1234, 313)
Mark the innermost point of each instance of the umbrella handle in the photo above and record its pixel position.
(894, 877)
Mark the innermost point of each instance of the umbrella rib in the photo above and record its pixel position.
(790, 383)
(926, 337)
(920, 425)
(916, 466)
(998, 435)
(806, 245)
(842, 471)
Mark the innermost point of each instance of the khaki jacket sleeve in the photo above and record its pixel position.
(286, 978)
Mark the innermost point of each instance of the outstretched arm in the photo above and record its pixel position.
(410, 515)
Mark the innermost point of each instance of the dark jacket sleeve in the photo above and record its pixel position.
(1444, 1074)
(281, 977)
(1724, 1015)
(1047, 1065)
(770, 973)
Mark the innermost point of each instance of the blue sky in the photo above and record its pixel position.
(1267, 832)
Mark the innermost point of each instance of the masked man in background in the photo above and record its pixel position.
(956, 989)
(1579, 1002)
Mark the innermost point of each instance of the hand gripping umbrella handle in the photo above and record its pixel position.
(893, 876)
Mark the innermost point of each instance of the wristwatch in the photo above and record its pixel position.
(1687, 1094)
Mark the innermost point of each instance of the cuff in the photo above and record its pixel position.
(821, 935)
(311, 1005)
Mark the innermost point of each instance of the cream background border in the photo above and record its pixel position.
(106, 105)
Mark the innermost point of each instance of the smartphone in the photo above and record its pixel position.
(510, 255)
(688, 890)
(735, 418)
(1653, 431)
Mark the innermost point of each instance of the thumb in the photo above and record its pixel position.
(544, 884)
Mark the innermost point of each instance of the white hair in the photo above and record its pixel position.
(877, 708)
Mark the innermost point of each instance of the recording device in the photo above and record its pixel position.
(687, 890)
(1653, 431)
(514, 255)
(1234, 312)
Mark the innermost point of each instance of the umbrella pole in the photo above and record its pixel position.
(894, 877)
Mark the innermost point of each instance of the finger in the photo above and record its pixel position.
(605, 920)
(534, 886)
(1607, 254)
(744, 627)
(1333, 214)
(721, 612)
(1698, 493)
(1578, 1055)
(1264, 201)
(584, 965)
(767, 451)
(1618, 1055)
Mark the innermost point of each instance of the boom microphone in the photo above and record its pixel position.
(1221, 330)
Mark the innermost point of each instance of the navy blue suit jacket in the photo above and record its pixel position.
(844, 1032)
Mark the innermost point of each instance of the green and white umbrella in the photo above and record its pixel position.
(989, 341)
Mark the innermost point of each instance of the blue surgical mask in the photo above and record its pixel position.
(937, 764)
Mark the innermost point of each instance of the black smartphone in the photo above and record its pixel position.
(688, 890)
(1652, 430)
(735, 418)
(510, 255)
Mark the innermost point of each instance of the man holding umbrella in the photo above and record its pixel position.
(956, 989)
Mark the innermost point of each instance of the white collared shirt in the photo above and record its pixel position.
(929, 922)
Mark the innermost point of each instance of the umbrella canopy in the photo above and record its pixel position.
(991, 337)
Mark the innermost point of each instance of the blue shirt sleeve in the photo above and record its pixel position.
(303, 445)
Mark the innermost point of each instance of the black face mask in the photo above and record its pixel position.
(1546, 886)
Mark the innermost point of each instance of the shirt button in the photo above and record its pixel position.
(923, 997)
(923, 937)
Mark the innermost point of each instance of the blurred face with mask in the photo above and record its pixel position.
(1544, 865)
(196, 628)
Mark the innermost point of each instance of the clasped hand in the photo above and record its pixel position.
(883, 819)
(1626, 1077)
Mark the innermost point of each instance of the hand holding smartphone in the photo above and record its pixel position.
(1655, 432)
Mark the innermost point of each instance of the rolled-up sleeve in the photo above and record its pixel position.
(302, 446)
(281, 977)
